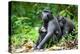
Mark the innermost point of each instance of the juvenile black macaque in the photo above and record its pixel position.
(51, 29)
(66, 25)
(42, 33)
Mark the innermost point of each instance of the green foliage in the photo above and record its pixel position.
(25, 21)
(22, 29)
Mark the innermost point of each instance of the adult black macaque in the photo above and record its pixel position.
(51, 29)
(66, 25)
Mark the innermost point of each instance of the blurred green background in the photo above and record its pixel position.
(25, 20)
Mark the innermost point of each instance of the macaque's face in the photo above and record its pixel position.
(45, 14)
(61, 21)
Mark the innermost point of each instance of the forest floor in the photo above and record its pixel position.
(29, 47)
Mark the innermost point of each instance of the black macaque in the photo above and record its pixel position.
(66, 25)
(50, 29)
(42, 33)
